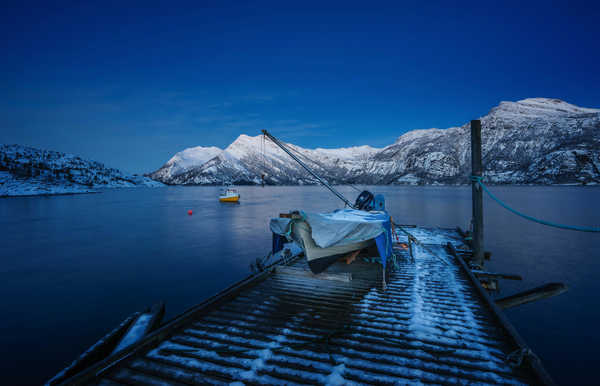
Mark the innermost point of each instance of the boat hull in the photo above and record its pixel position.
(318, 258)
(229, 199)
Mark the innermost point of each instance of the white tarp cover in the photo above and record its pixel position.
(343, 226)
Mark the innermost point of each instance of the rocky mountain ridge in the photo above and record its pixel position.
(532, 141)
(30, 171)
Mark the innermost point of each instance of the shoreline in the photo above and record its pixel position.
(46, 194)
(390, 185)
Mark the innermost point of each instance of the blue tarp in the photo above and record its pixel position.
(343, 226)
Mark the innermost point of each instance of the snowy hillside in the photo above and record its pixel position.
(185, 160)
(29, 171)
(248, 158)
(533, 141)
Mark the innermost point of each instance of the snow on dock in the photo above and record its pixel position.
(432, 325)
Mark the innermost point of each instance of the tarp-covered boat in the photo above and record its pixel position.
(325, 237)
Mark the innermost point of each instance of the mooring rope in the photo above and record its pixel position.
(477, 179)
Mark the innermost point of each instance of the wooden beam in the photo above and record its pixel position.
(542, 292)
(508, 276)
(339, 276)
(97, 352)
(158, 312)
(477, 194)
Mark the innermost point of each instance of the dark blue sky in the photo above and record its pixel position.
(129, 85)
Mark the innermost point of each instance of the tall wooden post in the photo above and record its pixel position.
(477, 194)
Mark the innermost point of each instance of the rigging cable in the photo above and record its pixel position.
(305, 158)
(477, 180)
(308, 159)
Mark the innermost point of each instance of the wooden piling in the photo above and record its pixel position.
(477, 195)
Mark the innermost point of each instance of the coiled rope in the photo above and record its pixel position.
(477, 179)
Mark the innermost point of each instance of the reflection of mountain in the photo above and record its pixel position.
(28, 171)
(538, 140)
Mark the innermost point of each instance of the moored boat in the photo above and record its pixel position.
(229, 195)
(326, 237)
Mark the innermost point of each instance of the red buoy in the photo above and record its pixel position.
(190, 212)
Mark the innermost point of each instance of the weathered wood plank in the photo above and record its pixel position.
(130, 377)
(95, 353)
(509, 276)
(140, 327)
(542, 292)
(108, 382)
(175, 371)
(339, 276)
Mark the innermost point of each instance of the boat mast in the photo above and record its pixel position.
(322, 181)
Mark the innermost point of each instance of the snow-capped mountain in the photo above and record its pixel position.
(533, 141)
(29, 171)
(185, 160)
(247, 159)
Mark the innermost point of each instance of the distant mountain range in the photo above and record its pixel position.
(28, 171)
(532, 141)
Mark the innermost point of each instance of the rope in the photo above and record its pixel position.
(307, 160)
(288, 233)
(311, 161)
(477, 180)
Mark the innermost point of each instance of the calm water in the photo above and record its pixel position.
(73, 267)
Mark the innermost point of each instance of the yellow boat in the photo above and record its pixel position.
(229, 195)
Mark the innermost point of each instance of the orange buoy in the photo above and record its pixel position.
(190, 212)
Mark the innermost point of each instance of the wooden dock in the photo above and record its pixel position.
(434, 324)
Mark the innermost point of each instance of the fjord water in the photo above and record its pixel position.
(73, 267)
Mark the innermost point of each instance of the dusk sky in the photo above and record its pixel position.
(131, 84)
